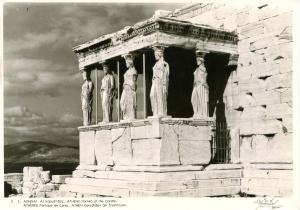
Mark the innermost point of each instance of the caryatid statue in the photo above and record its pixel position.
(107, 94)
(160, 83)
(200, 90)
(128, 103)
(87, 97)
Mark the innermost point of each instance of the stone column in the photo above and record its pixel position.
(200, 92)
(128, 102)
(87, 96)
(160, 83)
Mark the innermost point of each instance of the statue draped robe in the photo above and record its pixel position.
(159, 88)
(107, 93)
(87, 101)
(200, 93)
(128, 98)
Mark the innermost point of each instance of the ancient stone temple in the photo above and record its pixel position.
(198, 103)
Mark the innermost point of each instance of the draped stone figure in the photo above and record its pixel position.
(107, 94)
(128, 103)
(87, 98)
(200, 90)
(160, 83)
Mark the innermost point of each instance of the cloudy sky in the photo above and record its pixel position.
(41, 78)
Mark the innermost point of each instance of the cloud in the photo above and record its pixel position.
(21, 124)
(23, 77)
(30, 41)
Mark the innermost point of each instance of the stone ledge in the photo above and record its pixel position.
(158, 168)
(270, 166)
(148, 121)
(223, 167)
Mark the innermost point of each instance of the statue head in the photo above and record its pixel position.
(129, 60)
(85, 74)
(106, 69)
(158, 52)
(200, 58)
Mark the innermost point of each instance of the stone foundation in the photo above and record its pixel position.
(151, 142)
(146, 157)
(207, 182)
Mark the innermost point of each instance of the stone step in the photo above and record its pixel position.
(282, 174)
(157, 186)
(175, 176)
(267, 191)
(118, 192)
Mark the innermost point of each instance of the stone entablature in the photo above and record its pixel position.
(162, 30)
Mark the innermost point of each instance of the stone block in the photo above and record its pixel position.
(265, 70)
(252, 29)
(268, 191)
(231, 89)
(45, 176)
(40, 194)
(83, 173)
(87, 147)
(59, 179)
(287, 123)
(279, 110)
(146, 151)
(48, 187)
(260, 126)
(235, 145)
(286, 65)
(286, 50)
(286, 96)
(146, 131)
(262, 42)
(278, 53)
(244, 60)
(252, 85)
(169, 142)
(29, 184)
(267, 97)
(237, 101)
(188, 132)
(267, 11)
(244, 73)
(122, 150)
(263, 149)
(243, 47)
(282, 21)
(232, 115)
(32, 174)
(103, 147)
(194, 152)
(254, 112)
(268, 174)
(15, 179)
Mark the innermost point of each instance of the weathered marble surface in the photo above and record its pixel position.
(151, 142)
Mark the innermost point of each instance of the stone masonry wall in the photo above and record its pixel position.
(258, 95)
